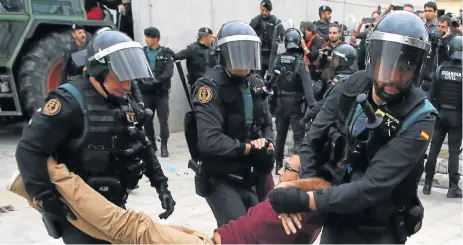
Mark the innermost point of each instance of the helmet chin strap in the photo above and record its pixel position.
(110, 97)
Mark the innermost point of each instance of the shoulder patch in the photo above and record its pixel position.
(204, 94)
(52, 107)
(424, 134)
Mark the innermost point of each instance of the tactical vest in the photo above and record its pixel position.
(289, 80)
(233, 111)
(90, 154)
(447, 88)
(265, 32)
(349, 113)
(200, 62)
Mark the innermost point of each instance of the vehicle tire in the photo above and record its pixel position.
(39, 71)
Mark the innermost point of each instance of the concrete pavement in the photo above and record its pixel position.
(442, 222)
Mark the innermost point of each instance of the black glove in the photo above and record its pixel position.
(289, 200)
(263, 159)
(167, 203)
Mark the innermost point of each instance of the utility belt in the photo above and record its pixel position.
(401, 222)
(114, 187)
(204, 179)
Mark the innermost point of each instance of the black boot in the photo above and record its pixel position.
(427, 186)
(278, 165)
(454, 191)
(164, 151)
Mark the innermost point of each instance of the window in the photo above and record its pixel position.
(10, 31)
(57, 7)
(12, 6)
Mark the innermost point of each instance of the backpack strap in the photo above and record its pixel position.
(75, 93)
(427, 107)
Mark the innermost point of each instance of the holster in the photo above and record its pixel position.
(133, 172)
(413, 217)
(109, 187)
(53, 226)
(202, 181)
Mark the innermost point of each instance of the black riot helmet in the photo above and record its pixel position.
(293, 39)
(456, 48)
(238, 48)
(343, 57)
(114, 51)
(396, 50)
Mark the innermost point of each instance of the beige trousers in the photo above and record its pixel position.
(103, 220)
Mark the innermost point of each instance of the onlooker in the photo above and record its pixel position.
(368, 24)
(408, 7)
(322, 25)
(124, 18)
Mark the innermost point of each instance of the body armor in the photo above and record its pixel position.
(290, 80)
(235, 118)
(265, 33)
(203, 59)
(447, 88)
(95, 154)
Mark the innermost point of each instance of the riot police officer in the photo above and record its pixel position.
(264, 25)
(294, 94)
(343, 64)
(234, 127)
(93, 126)
(200, 55)
(374, 167)
(446, 95)
(68, 67)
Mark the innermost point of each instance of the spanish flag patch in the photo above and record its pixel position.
(424, 134)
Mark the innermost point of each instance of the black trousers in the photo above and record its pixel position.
(229, 200)
(450, 122)
(158, 102)
(336, 234)
(72, 235)
(288, 113)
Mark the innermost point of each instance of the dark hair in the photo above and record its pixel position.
(335, 25)
(409, 5)
(418, 12)
(445, 18)
(375, 12)
(309, 26)
(432, 5)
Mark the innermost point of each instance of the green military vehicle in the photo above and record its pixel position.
(34, 36)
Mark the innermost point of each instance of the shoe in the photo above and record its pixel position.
(16, 185)
(427, 187)
(454, 192)
(13, 179)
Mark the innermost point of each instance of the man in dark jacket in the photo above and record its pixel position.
(156, 91)
(69, 68)
(199, 55)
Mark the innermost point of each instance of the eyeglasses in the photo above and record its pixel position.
(288, 168)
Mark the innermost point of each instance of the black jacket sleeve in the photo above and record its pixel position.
(318, 133)
(209, 119)
(184, 54)
(60, 118)
(136, 92)
(315, 46)
(267, 125)
(388, 168)
(169, 67)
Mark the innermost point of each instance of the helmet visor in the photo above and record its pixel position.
(127, 60)
(394, 63)
(241, 52)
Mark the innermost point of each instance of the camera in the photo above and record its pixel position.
(397, 7)
(327, 51)
(367, 20)
(456, 22)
